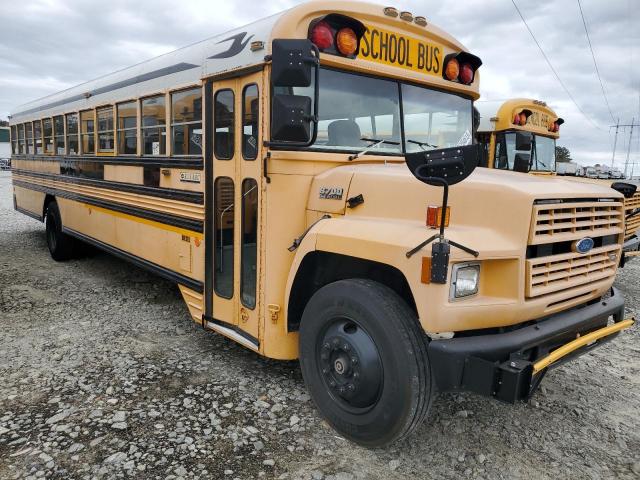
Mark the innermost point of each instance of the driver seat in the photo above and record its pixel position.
(345, 133)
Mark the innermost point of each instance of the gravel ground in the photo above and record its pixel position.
(103, 375)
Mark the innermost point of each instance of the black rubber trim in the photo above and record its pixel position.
(209, 200)
(169, 193)
(450, 358)
(164, 218)
(29, 214)
(193, 163)
(236, 329)
(179, 67)
(239, 72)
(140, 262)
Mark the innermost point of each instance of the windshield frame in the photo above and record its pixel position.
(500, 138)
(399, 82)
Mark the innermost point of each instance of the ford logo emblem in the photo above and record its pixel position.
(584, 245)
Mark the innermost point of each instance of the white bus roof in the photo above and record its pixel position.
(183, 67)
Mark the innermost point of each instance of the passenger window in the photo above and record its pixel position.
(249, 242)
(154, 129)
(58, 132)
(224, 211)
(105, 130)
(72, 134)
(37, 133)
(21, 140)
(224, 121)
(127, 128)
(250, 112)
(87, 130)
(29, 128)
(14, 140)
(186, 122)
(47, 128)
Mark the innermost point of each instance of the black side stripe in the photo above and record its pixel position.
(169, 193)
(164, 218)
(140, 262)
(179, 67)
(160, 162)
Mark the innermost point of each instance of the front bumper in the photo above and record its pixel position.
(510, 365)
(631, 244)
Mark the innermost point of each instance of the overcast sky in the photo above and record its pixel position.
(49, 45)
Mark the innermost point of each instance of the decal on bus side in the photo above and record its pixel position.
(396, 50)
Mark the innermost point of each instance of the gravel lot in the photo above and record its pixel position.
(103, 375)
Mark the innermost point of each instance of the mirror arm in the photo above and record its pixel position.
(316, 100)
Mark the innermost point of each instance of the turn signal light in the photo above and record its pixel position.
(322, 35)
(434, 216)
(452, 70)
(523, 118)
(347, 41)
(516, 119)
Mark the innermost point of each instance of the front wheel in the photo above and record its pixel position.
(364, 360)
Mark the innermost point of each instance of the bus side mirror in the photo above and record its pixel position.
(291, 119)
(522, 163)
(524, 141)
(294, 63)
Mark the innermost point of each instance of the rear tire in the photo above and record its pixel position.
(61, 246)
(364, 361)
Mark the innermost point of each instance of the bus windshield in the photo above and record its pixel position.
(543, 153)
(357, 110)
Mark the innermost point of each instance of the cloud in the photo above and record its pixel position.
(49, 45)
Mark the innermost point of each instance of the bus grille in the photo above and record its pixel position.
(555, 266)
(633, 224)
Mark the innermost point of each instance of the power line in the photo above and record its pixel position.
(586, 30)
(553, 69)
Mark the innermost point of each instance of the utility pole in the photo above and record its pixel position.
(615, 143)
(626, 163)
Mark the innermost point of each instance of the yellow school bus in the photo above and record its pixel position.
(497, 131)
(308, 181)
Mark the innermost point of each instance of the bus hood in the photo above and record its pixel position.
(488, 198)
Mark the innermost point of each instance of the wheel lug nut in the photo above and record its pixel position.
(326, 346)
(356, 375)
(335, 342)
(341, 389)
(354, 360)
(351, 387)
(325, 370)
(332, 384)
(346, 347)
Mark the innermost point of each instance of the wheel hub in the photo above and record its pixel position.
(350, 364)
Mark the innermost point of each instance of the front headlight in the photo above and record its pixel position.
(465, 278)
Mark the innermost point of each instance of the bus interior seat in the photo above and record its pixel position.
(344, 133)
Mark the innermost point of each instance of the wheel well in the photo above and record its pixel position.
(47, 200)
(321, 268)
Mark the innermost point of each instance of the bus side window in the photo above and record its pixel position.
(224, 124)
(250, 112)
(224, 248)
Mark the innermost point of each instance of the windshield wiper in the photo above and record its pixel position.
(375, 143)
(422, 144)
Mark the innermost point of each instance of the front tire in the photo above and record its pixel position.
(61, 245)
(364, 361)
